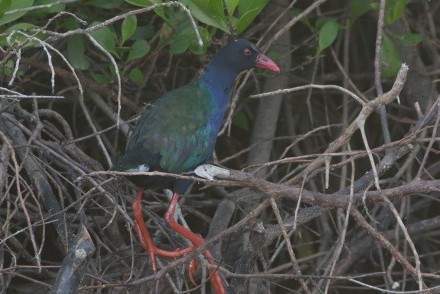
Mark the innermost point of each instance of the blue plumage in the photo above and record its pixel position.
(178, 132)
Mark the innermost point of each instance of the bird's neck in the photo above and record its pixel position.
(219, 80)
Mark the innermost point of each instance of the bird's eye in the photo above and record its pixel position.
(247, 52)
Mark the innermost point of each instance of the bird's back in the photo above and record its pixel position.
(175, 134)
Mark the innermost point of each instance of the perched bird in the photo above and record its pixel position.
(178, 133)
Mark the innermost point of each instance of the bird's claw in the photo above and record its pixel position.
(209, 171)
(192, 269)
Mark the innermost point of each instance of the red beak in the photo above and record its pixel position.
(265, 62)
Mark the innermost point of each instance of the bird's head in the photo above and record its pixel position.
(242, 55)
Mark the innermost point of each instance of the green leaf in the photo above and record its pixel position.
(43, 12)
(4, 5)
(146, 3)
(143, 3)
(359, 8)
(107, 38)
(390, 58)
(209, 12)
(396, 10)
(231, 5)
(17, 4)
(17, 38)
(106, 4)
(241, 120)
(305, 20)
(246, 19)
(182, 38)
(136, 76)
(139, 49)
(128, 28)
(327, 34)
(249, 10)
(320, 22)
(8, 68)
(76, 52)
(143, 32)
(408, 39)
(411, 39)
(247, 5)
(194, 44)
(179, 45)
(102, 78)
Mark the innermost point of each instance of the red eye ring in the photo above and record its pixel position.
(247, 52)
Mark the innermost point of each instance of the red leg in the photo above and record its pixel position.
(197, 241)
(145, 238)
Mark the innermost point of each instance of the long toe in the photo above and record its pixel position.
(192, 269)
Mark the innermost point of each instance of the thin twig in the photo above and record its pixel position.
(378, 69)
(296, 268)
(366, 111)
(386, 244)
(310, 86)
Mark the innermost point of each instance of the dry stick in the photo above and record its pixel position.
(310, 86)
(74, 263)
(276, 21)
(390, 205)
(361, 125)
(22, 96)
(80, 88)
(108, 110)
(67, 75)
(296, 268)
(377, 72)
(76, 167)
(396, 152)
(118, 76)
(341, 243)
(338, 199)
(385, 243)
(38, 179)
(233, 104)
(358, 247)
(17, 63)
(169, 279)
(294, 20)
(365, 112)
(240, 176)
(37, 252)
(408, 239)
(347, 79)
(5, 154)
(45, 44)
(308, 98)
(431, 142)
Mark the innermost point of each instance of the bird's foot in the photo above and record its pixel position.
(192, 269)
(145, 238)
(153, 251)
(214, 275)
(210, 171)
(196, 241)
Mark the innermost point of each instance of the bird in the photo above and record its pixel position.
(178, 133)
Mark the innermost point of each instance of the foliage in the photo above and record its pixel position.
(130, 39)
(103, 61)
